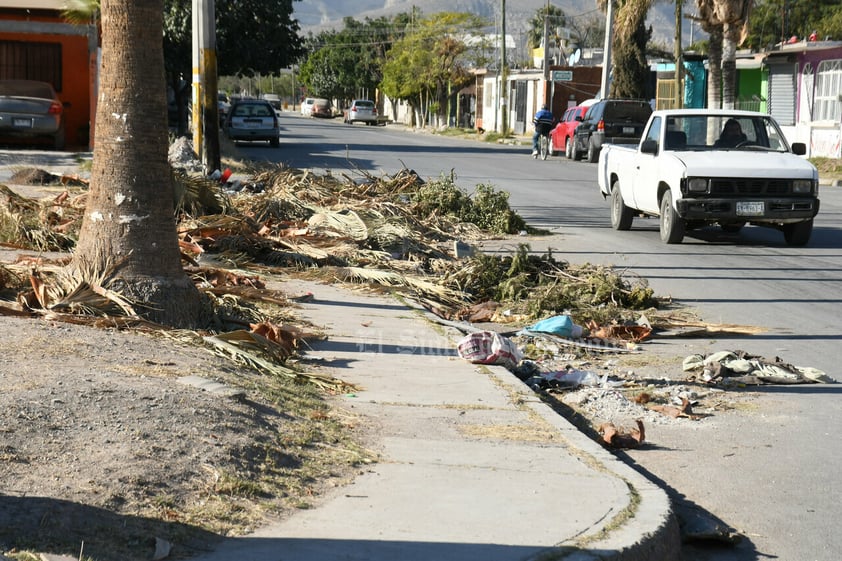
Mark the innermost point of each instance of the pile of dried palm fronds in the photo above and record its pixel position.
(396, 232)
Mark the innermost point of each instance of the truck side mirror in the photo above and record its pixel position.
(649, 146)
(799, 148)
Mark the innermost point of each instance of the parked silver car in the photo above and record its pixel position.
(253, 119)
(32, 110)
(361, 110)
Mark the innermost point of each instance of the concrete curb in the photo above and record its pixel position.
(651, 532)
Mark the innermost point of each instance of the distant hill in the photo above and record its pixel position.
(316, 15)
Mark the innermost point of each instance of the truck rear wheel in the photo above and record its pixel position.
(798, 234)
(671, 225)
(621, 215)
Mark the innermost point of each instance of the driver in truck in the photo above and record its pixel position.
(731, 136)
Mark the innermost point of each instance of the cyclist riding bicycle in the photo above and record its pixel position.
(543, 122)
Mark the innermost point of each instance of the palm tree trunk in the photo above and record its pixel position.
(715, 67)
(731, 34)
(129, 220)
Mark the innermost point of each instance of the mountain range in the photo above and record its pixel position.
(317, 15)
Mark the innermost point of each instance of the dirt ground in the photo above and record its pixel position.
(98, 433)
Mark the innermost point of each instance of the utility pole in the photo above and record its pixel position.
(205, 116)
(504, 75)
(547, 96)
(606, 57)
(679, 63)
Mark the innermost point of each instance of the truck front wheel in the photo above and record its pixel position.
(671, 225)
(798, 234)
(621, 215)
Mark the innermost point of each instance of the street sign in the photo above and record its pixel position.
(562, 75)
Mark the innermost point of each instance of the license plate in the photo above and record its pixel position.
(628, 130)
(750, 208)
(23, 123)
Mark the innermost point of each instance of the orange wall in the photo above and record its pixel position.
(77, 81)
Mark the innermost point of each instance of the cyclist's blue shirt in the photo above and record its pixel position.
(544, 115)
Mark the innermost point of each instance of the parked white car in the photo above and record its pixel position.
(307, 106)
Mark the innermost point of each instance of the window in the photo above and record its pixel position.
(654, 132)
(828, 107)
(21, 60)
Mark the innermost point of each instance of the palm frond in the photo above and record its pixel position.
(261, 354)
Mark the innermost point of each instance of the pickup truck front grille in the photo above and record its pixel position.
(750, 186)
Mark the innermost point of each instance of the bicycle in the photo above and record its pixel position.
(543, 139)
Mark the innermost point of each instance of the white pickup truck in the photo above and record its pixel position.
(699, 167)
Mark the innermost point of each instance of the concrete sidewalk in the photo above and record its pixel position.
(474, 467)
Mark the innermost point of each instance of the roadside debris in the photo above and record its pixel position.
(486, 347)
(740, 367)
(621, 437)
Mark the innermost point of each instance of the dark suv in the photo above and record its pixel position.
(610, 121)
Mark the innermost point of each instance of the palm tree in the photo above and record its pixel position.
(128, 233)
(726, 23)
(629, 66)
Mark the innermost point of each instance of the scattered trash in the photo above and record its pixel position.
(562, 326)
(742, 367)
(487, 347)
(621, 438)
(684, 410)
(162, 549)
(570, 378)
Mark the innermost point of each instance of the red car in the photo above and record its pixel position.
(561, 137)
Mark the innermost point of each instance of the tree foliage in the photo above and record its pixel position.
(556, 19)
(775, 21)
(348, 63)
(630, 69)
(433, 60)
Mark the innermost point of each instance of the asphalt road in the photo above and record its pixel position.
(770, 472)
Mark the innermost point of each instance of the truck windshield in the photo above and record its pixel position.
(728, 131)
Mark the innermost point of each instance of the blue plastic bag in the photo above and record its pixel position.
(562, 326)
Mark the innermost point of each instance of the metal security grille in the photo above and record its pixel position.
(22, 60)
(782, 93)
(749, 186)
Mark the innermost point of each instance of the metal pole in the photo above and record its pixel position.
(205, 100)
(546, 52)
(606, 59)
(679, 63)
(504, 74)
(198, 83)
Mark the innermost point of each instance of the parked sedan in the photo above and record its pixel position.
(31, 110)
(561, 137)
(361, 110)
(253, 119)
(322, 108)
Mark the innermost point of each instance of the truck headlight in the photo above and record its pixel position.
(697, 185)
(802, 186)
